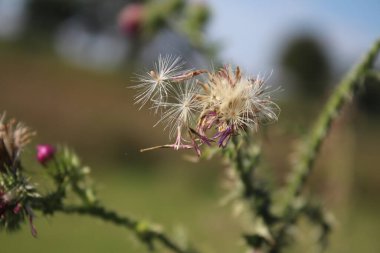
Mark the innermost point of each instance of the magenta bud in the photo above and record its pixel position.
(130, 19)
(45, 153)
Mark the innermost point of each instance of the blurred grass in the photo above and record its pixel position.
(94, 113)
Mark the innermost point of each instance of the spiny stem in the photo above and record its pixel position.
(147, 234)
(257, 197)
(338, 99)
(373, 75)
(312, 144)
(245, 176)
(99, 212)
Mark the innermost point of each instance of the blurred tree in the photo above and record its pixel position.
(105, 34)
(197, 15)
(306, 61)
(143, 21)
(45, 15)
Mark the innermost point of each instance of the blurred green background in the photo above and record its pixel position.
(65, 69)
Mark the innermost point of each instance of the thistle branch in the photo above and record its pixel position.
(373, 74)
(245, 163)
(305, 159)
(147, 234)
(342, 94)
(70, 175)
(244, 157)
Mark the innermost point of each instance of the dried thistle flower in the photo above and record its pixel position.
(223, 104)
(13, 138)
(233, 102)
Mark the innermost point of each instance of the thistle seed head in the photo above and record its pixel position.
(200, 112)
(180, 111)
(156, 84)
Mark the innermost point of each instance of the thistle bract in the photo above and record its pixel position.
(16, 192)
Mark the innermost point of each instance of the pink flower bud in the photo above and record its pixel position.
(45, 153)
(130, 19)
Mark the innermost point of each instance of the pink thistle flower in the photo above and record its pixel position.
(131, 18)
(45, 153)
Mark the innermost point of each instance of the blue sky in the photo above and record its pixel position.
(253, 32)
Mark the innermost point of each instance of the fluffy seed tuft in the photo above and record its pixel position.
(201, 112)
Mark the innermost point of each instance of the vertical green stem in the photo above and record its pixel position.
(338, 99)
(310, 149)
(256, 196)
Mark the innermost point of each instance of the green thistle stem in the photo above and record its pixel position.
(100, 212)
(256, 196)
(244, 174)
(373, 75)
(338, 99)
(310, 149)
(146, 234)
